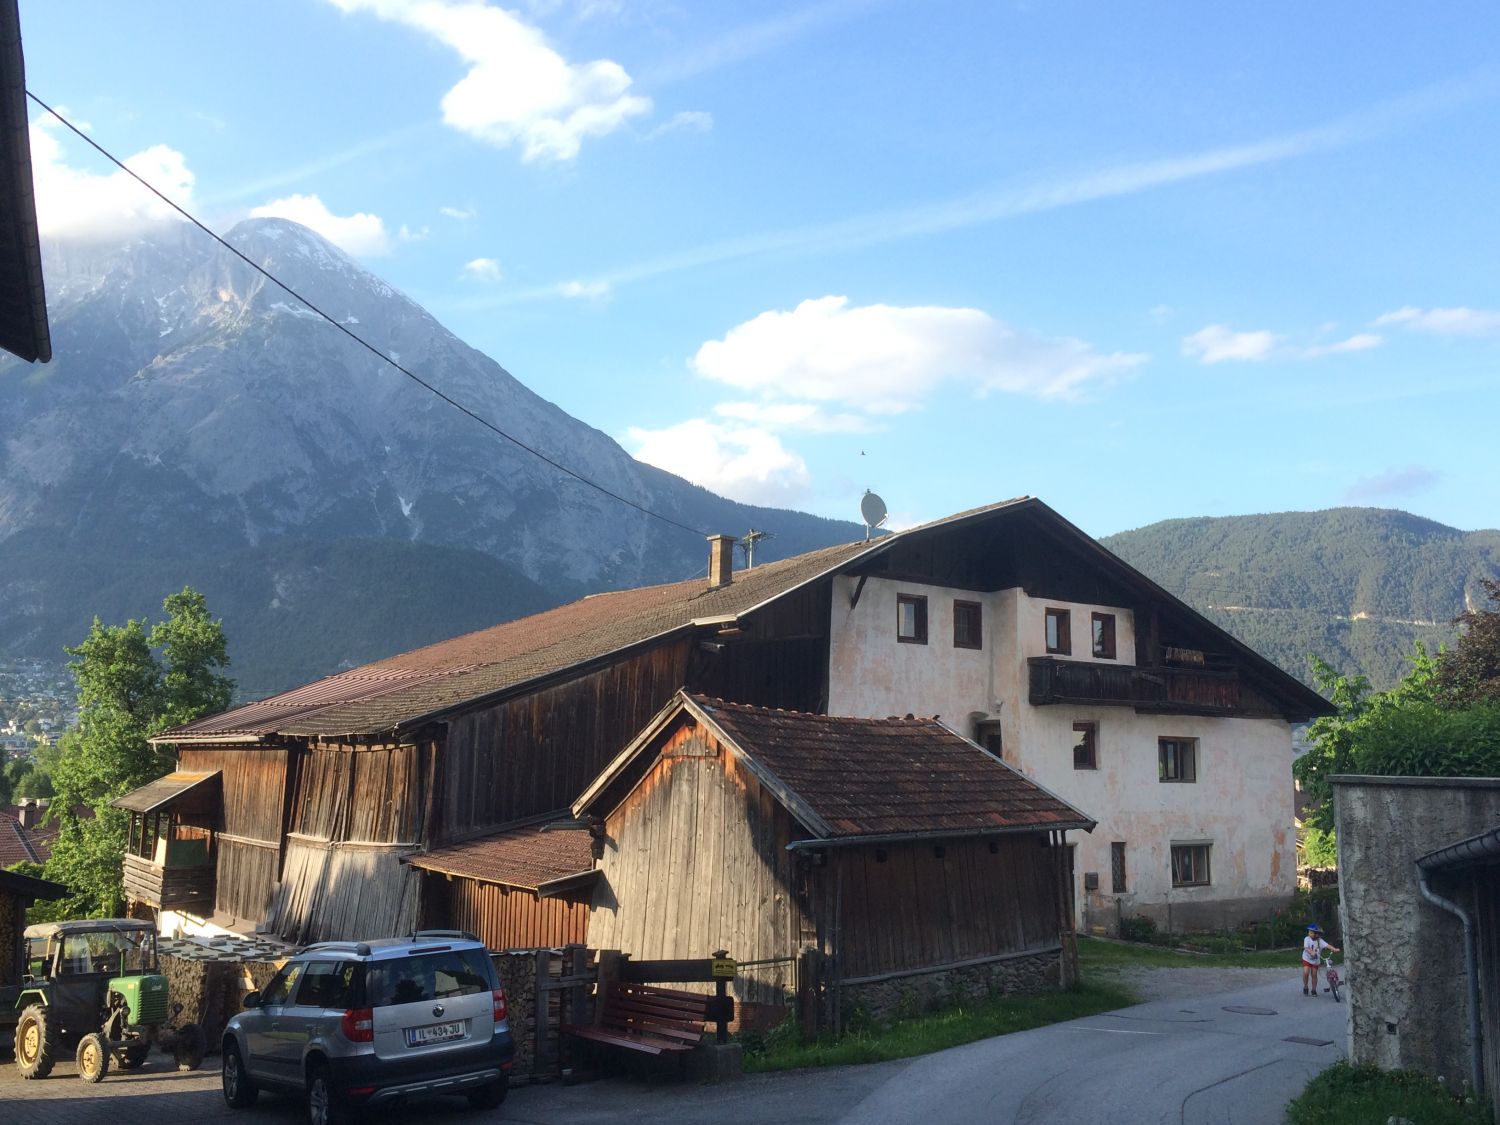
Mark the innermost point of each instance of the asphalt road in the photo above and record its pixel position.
(1188, 1061)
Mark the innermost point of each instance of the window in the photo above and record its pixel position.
(425, 977)
(987, 734)
(911, 619)
(280, 988)
(1177, 759)
(1104, 636)
(330, 984)
(1117, 867)
(968, 625)
(1085, 746)
(1059, 634)
(1190, 865)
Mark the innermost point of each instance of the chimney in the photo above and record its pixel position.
(720, 561)
(30, 811)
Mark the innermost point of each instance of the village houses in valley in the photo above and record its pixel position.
(495, 781)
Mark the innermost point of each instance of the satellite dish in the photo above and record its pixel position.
(872, 508)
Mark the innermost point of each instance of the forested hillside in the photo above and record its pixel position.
(1356, 586)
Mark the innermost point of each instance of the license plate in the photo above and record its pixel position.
(435, 1033)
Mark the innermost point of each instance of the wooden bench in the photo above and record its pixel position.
(649, 1019)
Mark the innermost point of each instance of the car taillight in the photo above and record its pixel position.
(500, 1009)
(358, 1025)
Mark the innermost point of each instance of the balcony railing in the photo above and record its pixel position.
(1204, 691)
(169, 887)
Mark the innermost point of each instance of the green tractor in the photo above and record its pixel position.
(95, 988)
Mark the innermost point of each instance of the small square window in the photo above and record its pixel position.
(1104, 636)
(1177, 759)
(1085, 746)
(1190, 865)
(1117, 867)
(987, 733)
(968, 625)
(911, 619)
(1059, 634)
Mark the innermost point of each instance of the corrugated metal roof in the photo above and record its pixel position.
(528, 857)
(887, 777)
(379, 697)
(170, 790)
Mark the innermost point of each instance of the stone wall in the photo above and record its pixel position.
(880, 1001)
(1404, 957)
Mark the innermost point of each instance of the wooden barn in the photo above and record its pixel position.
(325, 790)
(526, 887)
(17, 893)
(910, 858)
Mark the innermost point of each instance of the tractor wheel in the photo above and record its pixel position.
(133, 1056)
(190, 1047)
(36, 1042)
(93, 1057)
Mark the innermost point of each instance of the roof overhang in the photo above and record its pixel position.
(182, 791)
(30, 887)
(1482, 850)
(816, 843)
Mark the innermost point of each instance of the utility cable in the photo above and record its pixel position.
(358, 339)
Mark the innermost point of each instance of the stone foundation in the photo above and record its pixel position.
(884, 999)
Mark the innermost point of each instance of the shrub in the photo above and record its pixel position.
(1139, 928)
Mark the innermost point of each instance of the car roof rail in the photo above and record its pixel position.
(358, 948)
(442, 935)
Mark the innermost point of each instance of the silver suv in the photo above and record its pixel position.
(357, 1023)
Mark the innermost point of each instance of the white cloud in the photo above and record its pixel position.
(518, 90)
(794, 416)
(78, 203)
(1446, 322)
(483, 269)
(692, 120)
(745, 463)
(1218, 344)
(885, 359)
(361, 233)
(407, 234)
(459, 213)
(1392, 484)
(584, 290)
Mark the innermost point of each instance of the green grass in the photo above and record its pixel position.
(920, 1035)
(1345, 1094)
(1109, 956)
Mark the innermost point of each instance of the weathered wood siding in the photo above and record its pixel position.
(375, 794)
(913, 908)
(535, 754)
(248, 851)
(695, 860)
(505, 917)
(334, 890)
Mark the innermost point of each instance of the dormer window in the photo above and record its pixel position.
(1059, 632)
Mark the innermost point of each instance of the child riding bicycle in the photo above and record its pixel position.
(1313, 946)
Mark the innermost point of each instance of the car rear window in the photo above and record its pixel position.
(422, 977)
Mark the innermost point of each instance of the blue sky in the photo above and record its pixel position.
(1141, 260)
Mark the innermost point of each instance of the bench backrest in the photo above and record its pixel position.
(663, 1012)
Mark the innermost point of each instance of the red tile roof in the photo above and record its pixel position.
(521, 857)
(846, 778)
(23, 845)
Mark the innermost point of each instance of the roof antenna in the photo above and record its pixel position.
(872, 508)
(748, 542)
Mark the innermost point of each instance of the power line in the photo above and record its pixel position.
(358, 339)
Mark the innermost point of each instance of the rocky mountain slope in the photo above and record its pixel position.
(1355, 586)
(199, 425)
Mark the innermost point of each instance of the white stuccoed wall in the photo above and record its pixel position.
(1241, 802)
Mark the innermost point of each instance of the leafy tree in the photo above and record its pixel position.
(1337, 738)
(31, 780)
(1469, 672)
(126, 694)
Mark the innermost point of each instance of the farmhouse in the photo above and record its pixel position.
(1010, 624)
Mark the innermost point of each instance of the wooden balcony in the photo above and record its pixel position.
(170, 887)
(1191, 691)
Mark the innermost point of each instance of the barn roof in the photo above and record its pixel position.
(535, 857)
(395, 695)
(29, 887)
(850, 780)
(183, 790)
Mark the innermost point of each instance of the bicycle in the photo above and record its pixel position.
(1334, 981)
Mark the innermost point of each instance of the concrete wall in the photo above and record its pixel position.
(1241, 804)
(1404, 956)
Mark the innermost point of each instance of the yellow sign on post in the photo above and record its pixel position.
(723, 968)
